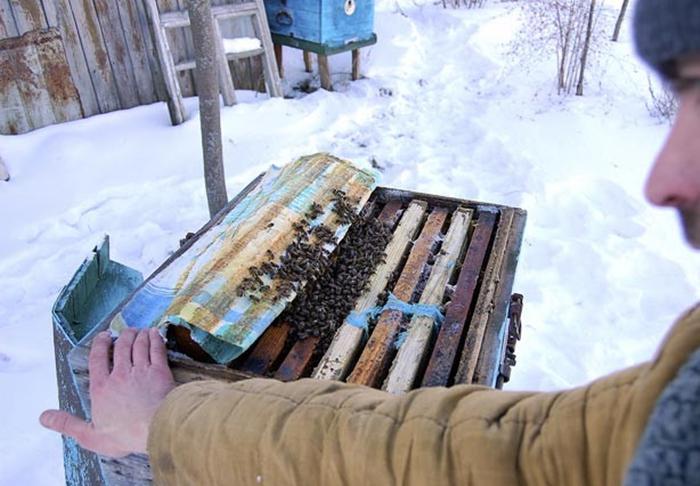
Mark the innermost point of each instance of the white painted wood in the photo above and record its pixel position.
(415, 348)
(485, 302)
(228, 92)
(270, 71)
(175, 104)
(336, 361)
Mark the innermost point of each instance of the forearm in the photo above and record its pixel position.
(330, 433)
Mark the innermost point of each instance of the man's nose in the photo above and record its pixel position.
(674, 179)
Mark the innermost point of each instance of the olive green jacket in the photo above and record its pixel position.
(311, 432)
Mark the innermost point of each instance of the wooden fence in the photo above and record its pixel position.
(92, 56)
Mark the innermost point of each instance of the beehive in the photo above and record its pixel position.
(433, 311)
(332, 23)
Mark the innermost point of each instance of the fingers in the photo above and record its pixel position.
(122, 350)
(66, 424)
(159, 354)
(98, 362)
(141, 350)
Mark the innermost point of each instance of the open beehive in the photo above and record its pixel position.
(417, 293)
(410, 299)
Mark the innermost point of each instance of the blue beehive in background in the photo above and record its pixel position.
(331, 23)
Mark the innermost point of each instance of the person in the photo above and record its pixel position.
(637, 426)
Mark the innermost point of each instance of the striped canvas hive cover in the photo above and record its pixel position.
(199, 289)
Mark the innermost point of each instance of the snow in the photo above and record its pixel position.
(447, 106)
(241, 44)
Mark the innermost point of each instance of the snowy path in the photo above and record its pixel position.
(445, 108)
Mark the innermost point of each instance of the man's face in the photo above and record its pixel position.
(674, 180)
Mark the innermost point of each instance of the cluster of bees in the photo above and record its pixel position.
(305, 259)
(323, 305)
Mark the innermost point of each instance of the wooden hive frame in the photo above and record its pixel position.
(475, 256)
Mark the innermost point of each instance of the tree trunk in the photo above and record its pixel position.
(586, 47)
(206, 77)
(620, 18)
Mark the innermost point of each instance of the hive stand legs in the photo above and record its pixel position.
(325, 73)
(279, 59)
(355, 64)
(308, 66)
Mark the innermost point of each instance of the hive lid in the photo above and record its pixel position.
(205, 288)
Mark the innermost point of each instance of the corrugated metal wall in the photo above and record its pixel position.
(109, 53)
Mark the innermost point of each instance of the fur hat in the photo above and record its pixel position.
(664, 30)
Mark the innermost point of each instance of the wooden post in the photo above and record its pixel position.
(355, 64)
(207, 76)
(325, 73)
(308, 66)
(279, 59)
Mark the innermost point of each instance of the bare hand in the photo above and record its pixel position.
(123, 400)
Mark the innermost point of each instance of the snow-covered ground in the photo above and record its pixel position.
(446, 107)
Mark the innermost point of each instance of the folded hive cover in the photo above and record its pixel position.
(201, 289)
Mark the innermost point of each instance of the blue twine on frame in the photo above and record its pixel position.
(361, 319)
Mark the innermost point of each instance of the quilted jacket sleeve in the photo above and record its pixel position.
(325, 433)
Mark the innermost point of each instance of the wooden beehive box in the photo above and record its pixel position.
(332, 23)
(453, 255)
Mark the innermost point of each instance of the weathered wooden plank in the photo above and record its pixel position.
(450, 335)
(29, 15)
(58, 82)
(415, 348)
(485, 301)
(149, 44)
(376, 356)
(336, 361)
(13, 119)
(60, 15)
(96, 55)
(137, 51)
(494, 338)
(8, 26)
(298, 359)
(165, 56)
(270, 72)
(182, 47)
(267, 350)
(118, 51)
(23, 65)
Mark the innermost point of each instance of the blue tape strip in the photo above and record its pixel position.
(361, 319)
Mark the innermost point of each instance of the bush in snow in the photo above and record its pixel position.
(568, 29)
(662, 103)
(465, 3)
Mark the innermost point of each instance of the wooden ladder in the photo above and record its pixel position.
(253, 9)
